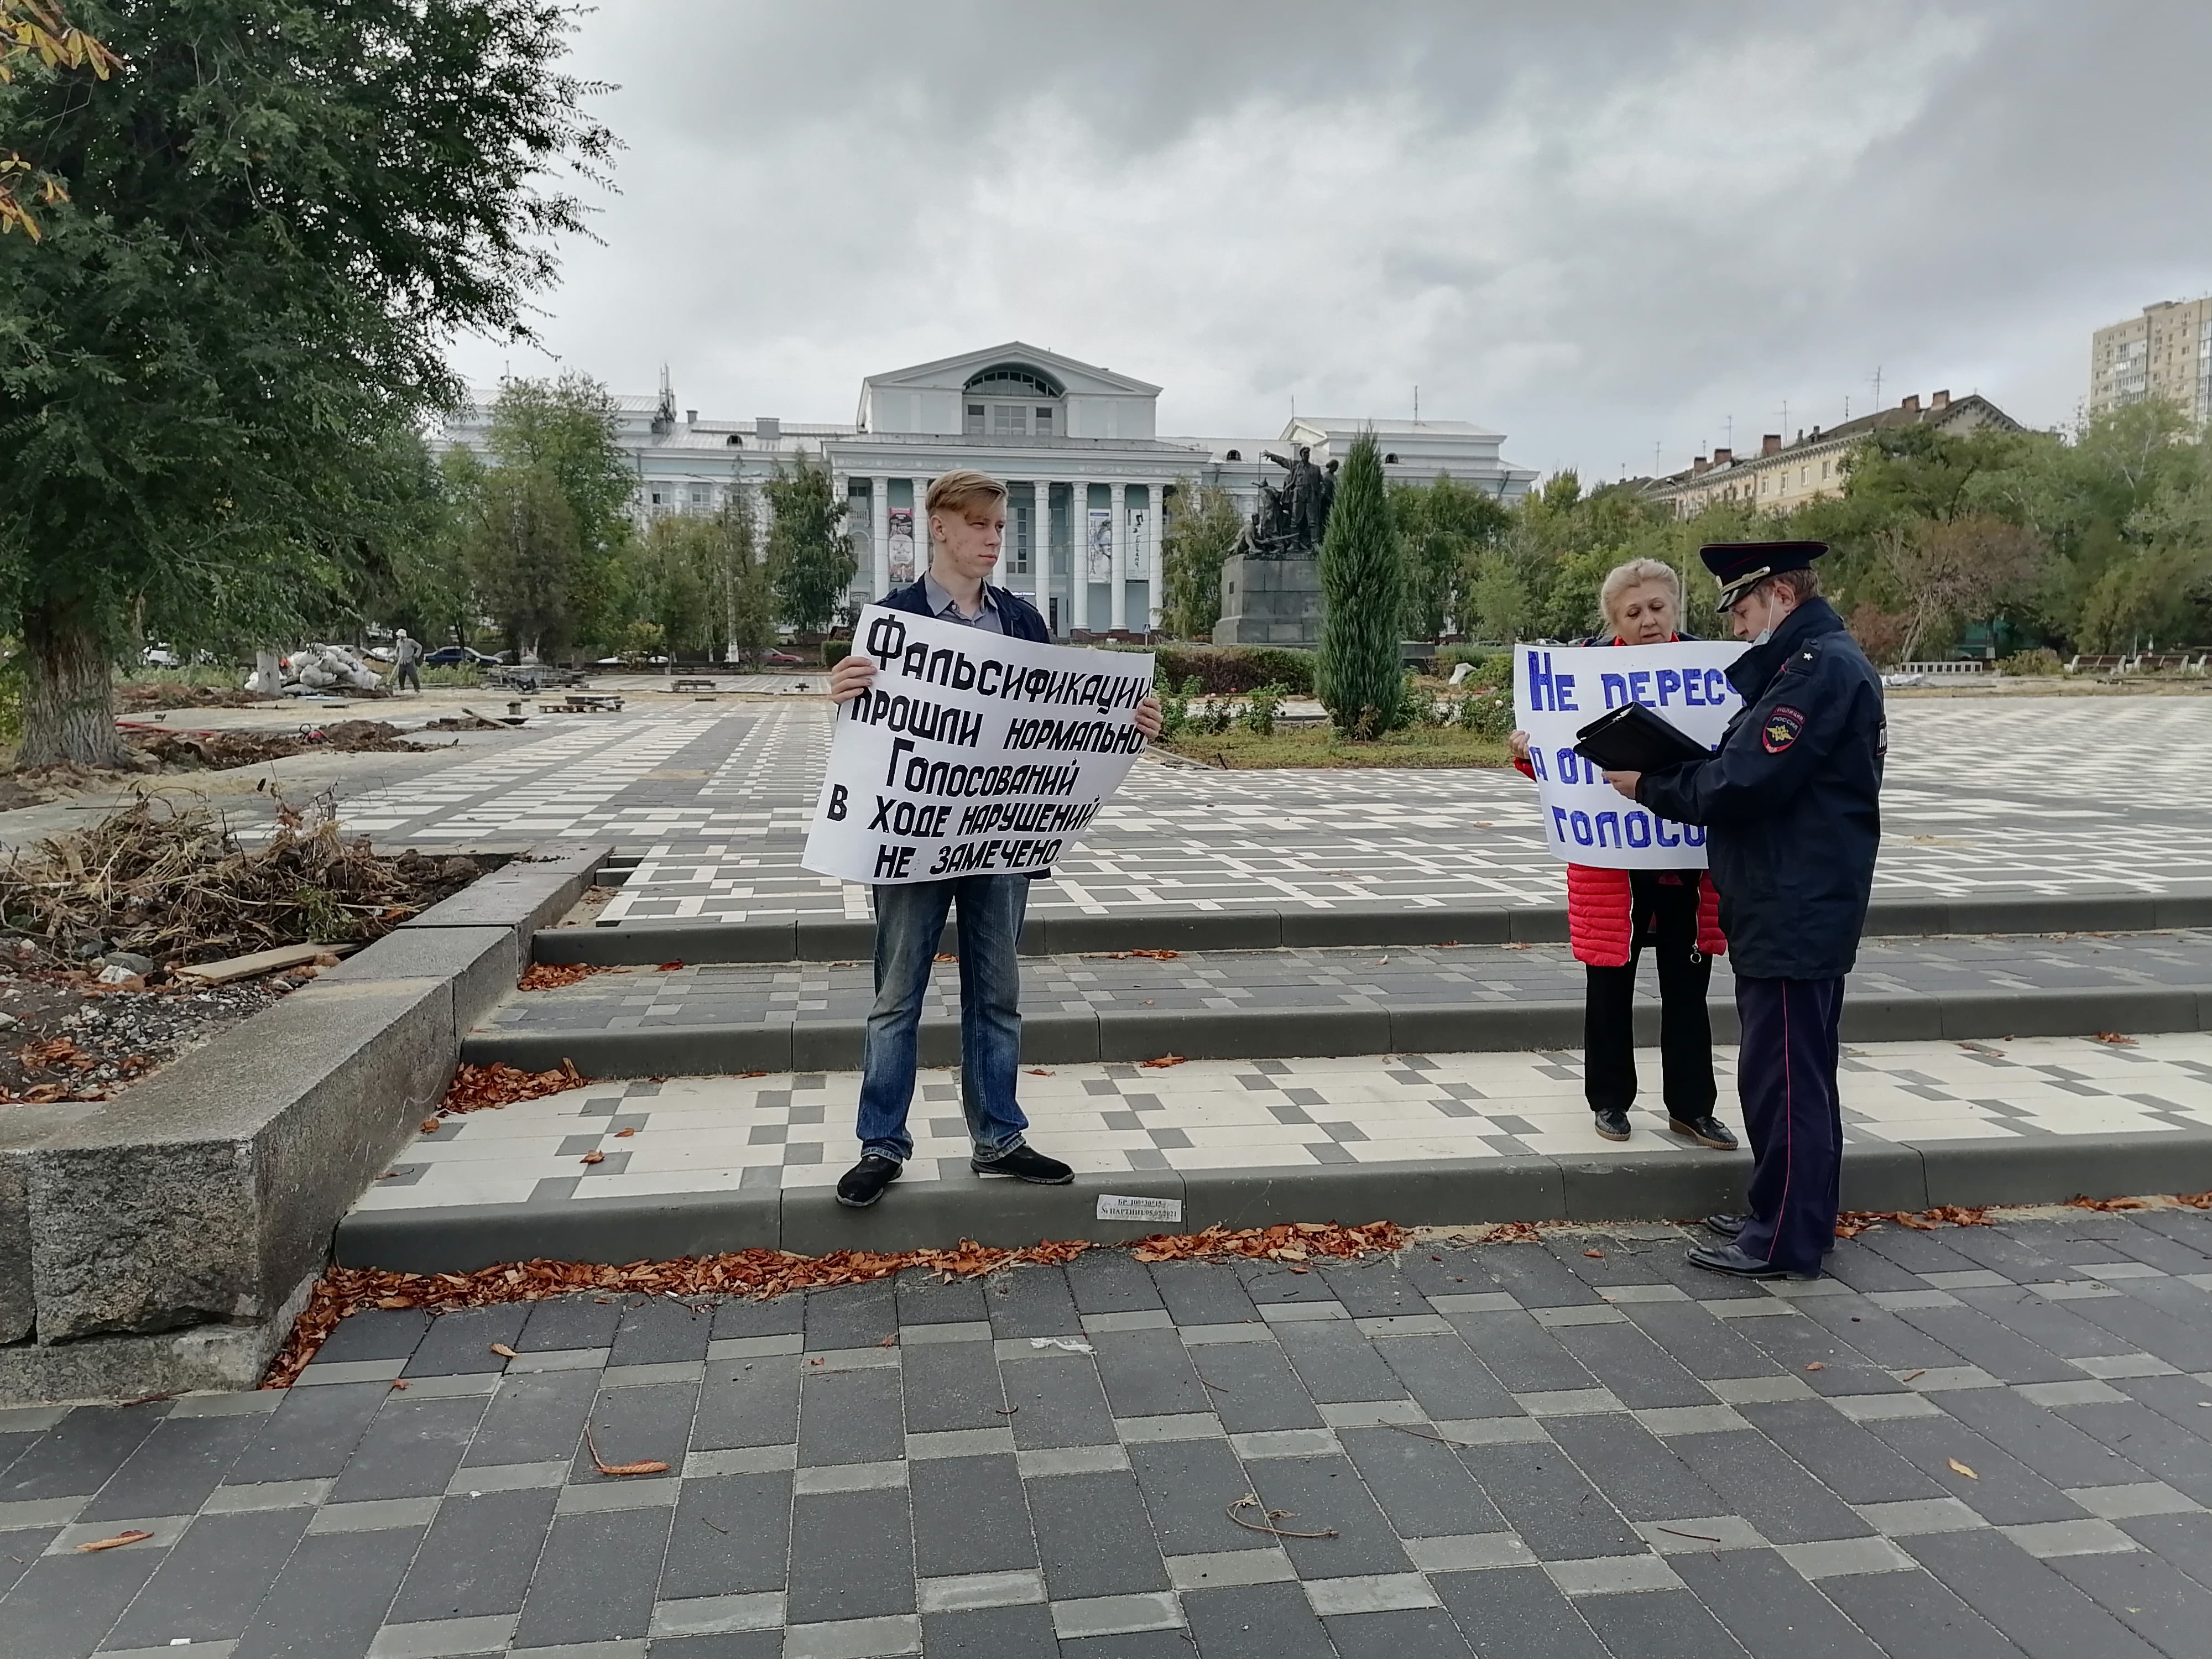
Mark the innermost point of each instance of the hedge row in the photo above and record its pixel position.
(1222, 668)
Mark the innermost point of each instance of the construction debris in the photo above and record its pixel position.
(222, 751)
(265, 962)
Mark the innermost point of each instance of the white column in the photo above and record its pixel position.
(921, 527)
(1155, 555)
(879, 534)
(1039, 545)
(1078, 524)
(1117, 497)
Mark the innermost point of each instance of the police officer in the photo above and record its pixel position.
(1791, 801)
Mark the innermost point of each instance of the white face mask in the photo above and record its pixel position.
(1765, 635)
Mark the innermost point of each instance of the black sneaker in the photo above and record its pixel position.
(1024, 1164)
(1613, 1124)
(1706, 1131)
(863, 1183)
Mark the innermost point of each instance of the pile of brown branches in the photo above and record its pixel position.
(172, 883)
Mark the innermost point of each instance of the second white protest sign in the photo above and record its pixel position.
(972, 753)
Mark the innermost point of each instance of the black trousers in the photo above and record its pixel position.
(1665, 917)
(1786, 1075)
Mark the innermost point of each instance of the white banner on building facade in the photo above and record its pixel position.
(1138, 564)
(900, 538)
(1557, 690)
(1099, 561)
(972, 753)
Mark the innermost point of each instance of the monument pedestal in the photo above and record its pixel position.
(1270, 602)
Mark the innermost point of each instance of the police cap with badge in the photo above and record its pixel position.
(1739, 565)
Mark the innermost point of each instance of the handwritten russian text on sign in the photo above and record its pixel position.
(972, 753)
(1557, 690)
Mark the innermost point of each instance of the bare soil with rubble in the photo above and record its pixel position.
(64, 1036)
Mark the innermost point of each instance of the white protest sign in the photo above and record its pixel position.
(972, 753)
(1557, 690)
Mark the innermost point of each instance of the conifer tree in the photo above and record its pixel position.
(1358, 675)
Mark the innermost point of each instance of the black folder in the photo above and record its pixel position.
(1631, 739)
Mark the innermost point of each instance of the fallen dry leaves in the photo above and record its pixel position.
(1852, 1222)
(553, 975)
(668, 966)
(2109, 1205)
(595, 1156)
(1162, 1063)
(757, 1274)
(1957, 1468)
(2113, 1039)
(1149, 956)
(130, 1536)
(476, 1088)
(643, 1466)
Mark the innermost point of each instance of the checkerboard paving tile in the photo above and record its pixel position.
(1581, 1446)
(795, 1130)
(1375, 977)
(1983, 798)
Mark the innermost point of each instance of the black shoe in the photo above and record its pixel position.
(1729, 1260)
(1728, 1226)
(1024, 1164)
(1613, 1124)
(1706, 1131)
(863, 1183)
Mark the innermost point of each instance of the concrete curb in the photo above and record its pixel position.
(1309, 1033)
(159, 1241)
(1647, 1183)
(830, 939)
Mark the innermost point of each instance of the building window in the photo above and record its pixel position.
(1009, 420)
(1023, 529)
(975, 420)
(1044, 421)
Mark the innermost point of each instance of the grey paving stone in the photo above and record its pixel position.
(1535, 1277)
(2037, 1609)
(1410, 1633)
(1094, 1536)
(1757, 1596)
(1110, 1281)
(2057, 1328)
(376, 1333)
(1703, 1346)
(1336, 1363)
(1549, 1502)
(1441, 1373)
(476, 1558)
(1634, 1469)
(210, 1580)
(1520, 1354)
(731, 1535)
(2160, 1449)
(1880, 1335)
(1637, 1371)
(311, 1435)
(1252, 1387)
(411, 1450)
(1518, 1611)
(1852, 1463)
(2184, 1400)
(2185, 1346)
(851, 1416)
(1797, 1346)
(2183, 1539)
(634, 1424)
(1971, 1333)
(2041, 1438)
(570, 1322)
(2003, 1490)
(1256, 1621)
(1913, 1614)
(657, 1330)
(76, 1457)
(952, 1385)
(1188, 1487)
(748, 1402)
(533, 1419)
(1419, 1484)
(1661, 1624)
(331, 1596)
(1371, 1287)
(1781, 1499)
(461, 1342)
(1032, 1302)
(743, 1316)
(1270, 1284)
(851, 1556)
(64, 1604)
(970, 1516)
(924, 1299)
(1148, 1373)
(1325, 1493)
(851, 1316)
(595, 1579)
(1061, 1402)
(1165, 1643)
(2155, 1600)
(1202, 1293)
(175, 1468)
(988, 1632)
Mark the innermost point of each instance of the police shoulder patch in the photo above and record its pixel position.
(1780, 730)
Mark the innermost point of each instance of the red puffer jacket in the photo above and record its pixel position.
(1602, 908)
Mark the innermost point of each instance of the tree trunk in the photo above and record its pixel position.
(69, 703)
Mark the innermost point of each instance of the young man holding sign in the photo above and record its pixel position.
(967, 524)
(1792, 799)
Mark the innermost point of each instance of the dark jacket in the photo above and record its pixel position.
(1792, 799)
(1017, 616)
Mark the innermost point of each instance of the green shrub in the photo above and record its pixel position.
(2041, 660)
(834, 652)
(1262, 704)
(1175, 704)
(1492, 668)
(457, 674)
(1214, 670)
(1486, 714)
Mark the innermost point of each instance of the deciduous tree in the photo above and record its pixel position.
(1202, 534)
(810, 559)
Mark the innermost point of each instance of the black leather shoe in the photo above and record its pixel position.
(1612, 1125)
(1025, 1164)
(1729, 1260)
(863, 1183)
(1706, 1131)
(1728, 1226)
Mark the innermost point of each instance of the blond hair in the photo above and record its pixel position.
(963, 488)
(1635, 573)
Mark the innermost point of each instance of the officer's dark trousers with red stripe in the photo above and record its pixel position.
(1786, 1080)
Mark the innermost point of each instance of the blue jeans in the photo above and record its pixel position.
(909, 921)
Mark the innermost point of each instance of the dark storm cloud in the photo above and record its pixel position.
(1593, 226)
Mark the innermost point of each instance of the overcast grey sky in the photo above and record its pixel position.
(1595, 226)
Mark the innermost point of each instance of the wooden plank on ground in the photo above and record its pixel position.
(261, 962)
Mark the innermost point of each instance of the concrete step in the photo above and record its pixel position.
(824, 938)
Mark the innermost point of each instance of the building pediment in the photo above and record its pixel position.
(954, 373)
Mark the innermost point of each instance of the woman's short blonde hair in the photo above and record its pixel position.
(1635, 573)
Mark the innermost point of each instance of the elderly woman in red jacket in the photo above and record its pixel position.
(1612, 915)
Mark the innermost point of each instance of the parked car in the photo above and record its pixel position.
(782, 660)
(160, 656)
(453, 656)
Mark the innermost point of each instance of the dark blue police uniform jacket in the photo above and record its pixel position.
(1017, 617)
(1792, 798)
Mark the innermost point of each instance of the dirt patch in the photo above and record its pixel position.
(174, 884)
(220, 751)
(146, 696)
(66, 1037)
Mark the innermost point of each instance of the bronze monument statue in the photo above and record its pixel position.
(1292, 519)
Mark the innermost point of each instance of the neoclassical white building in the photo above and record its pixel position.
(1077, 443)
